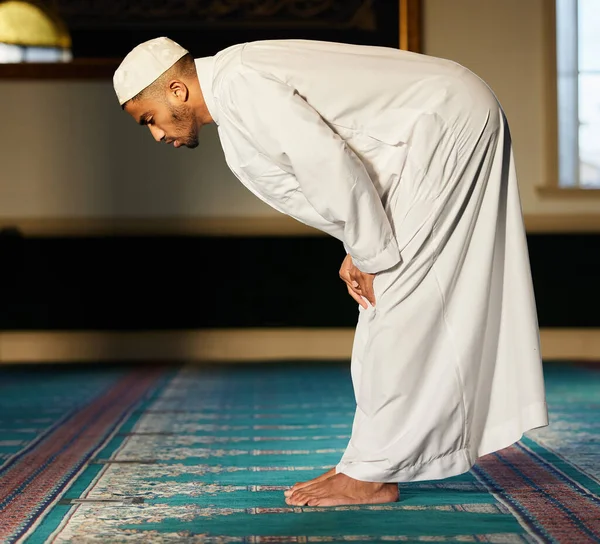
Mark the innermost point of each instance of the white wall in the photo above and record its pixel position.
(508, 44)
(67, 149)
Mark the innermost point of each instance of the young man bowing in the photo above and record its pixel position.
(407, 160)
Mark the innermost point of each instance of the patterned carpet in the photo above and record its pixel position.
(119, 454)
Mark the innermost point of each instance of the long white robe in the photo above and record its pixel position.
(407, 160)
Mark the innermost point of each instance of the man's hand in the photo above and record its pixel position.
(360, 284)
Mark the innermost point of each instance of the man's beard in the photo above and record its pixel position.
(186, 125)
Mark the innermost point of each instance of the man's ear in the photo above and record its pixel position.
(178, 90)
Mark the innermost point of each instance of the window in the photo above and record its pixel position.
(578, 67)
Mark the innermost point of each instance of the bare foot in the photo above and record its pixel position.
(301, 485)
(340, 489)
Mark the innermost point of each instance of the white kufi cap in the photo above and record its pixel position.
(144, 65)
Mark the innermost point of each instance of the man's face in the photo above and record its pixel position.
(169, 121)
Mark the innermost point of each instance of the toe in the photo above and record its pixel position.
(298, 499)
(295, 487)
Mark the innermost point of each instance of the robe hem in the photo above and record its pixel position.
(457, 462)
(501, 436)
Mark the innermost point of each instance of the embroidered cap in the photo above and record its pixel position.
(145, 64)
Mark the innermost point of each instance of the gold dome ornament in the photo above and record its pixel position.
(30, 32)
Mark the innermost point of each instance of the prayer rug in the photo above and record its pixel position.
(148, 454)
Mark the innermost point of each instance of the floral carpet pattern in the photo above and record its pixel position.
(151, 454)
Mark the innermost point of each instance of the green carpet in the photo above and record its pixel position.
(117, 454)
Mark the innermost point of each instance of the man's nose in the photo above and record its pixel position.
(157, 134)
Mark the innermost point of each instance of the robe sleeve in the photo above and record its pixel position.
(285, 128)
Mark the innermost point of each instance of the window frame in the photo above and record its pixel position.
(550, 186)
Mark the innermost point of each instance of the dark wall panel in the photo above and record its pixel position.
(111, 29)
(565, 277)
(128, 283)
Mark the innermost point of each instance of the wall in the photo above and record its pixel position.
(509, 44)
(69, 151)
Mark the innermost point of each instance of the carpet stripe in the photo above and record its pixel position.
(579, 476)
(57, 516)
(562, 519)
(15, 457)
(32, 483)
(497, 538)
(547, 506)
(578, 486)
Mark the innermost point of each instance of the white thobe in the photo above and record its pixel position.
(407, 160)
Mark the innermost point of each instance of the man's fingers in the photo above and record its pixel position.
(357, 297)
(364, 283)
(369, 292)
(360, 286)
(346, 278)
(352, 281)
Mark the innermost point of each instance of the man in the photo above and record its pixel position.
(407, 160)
